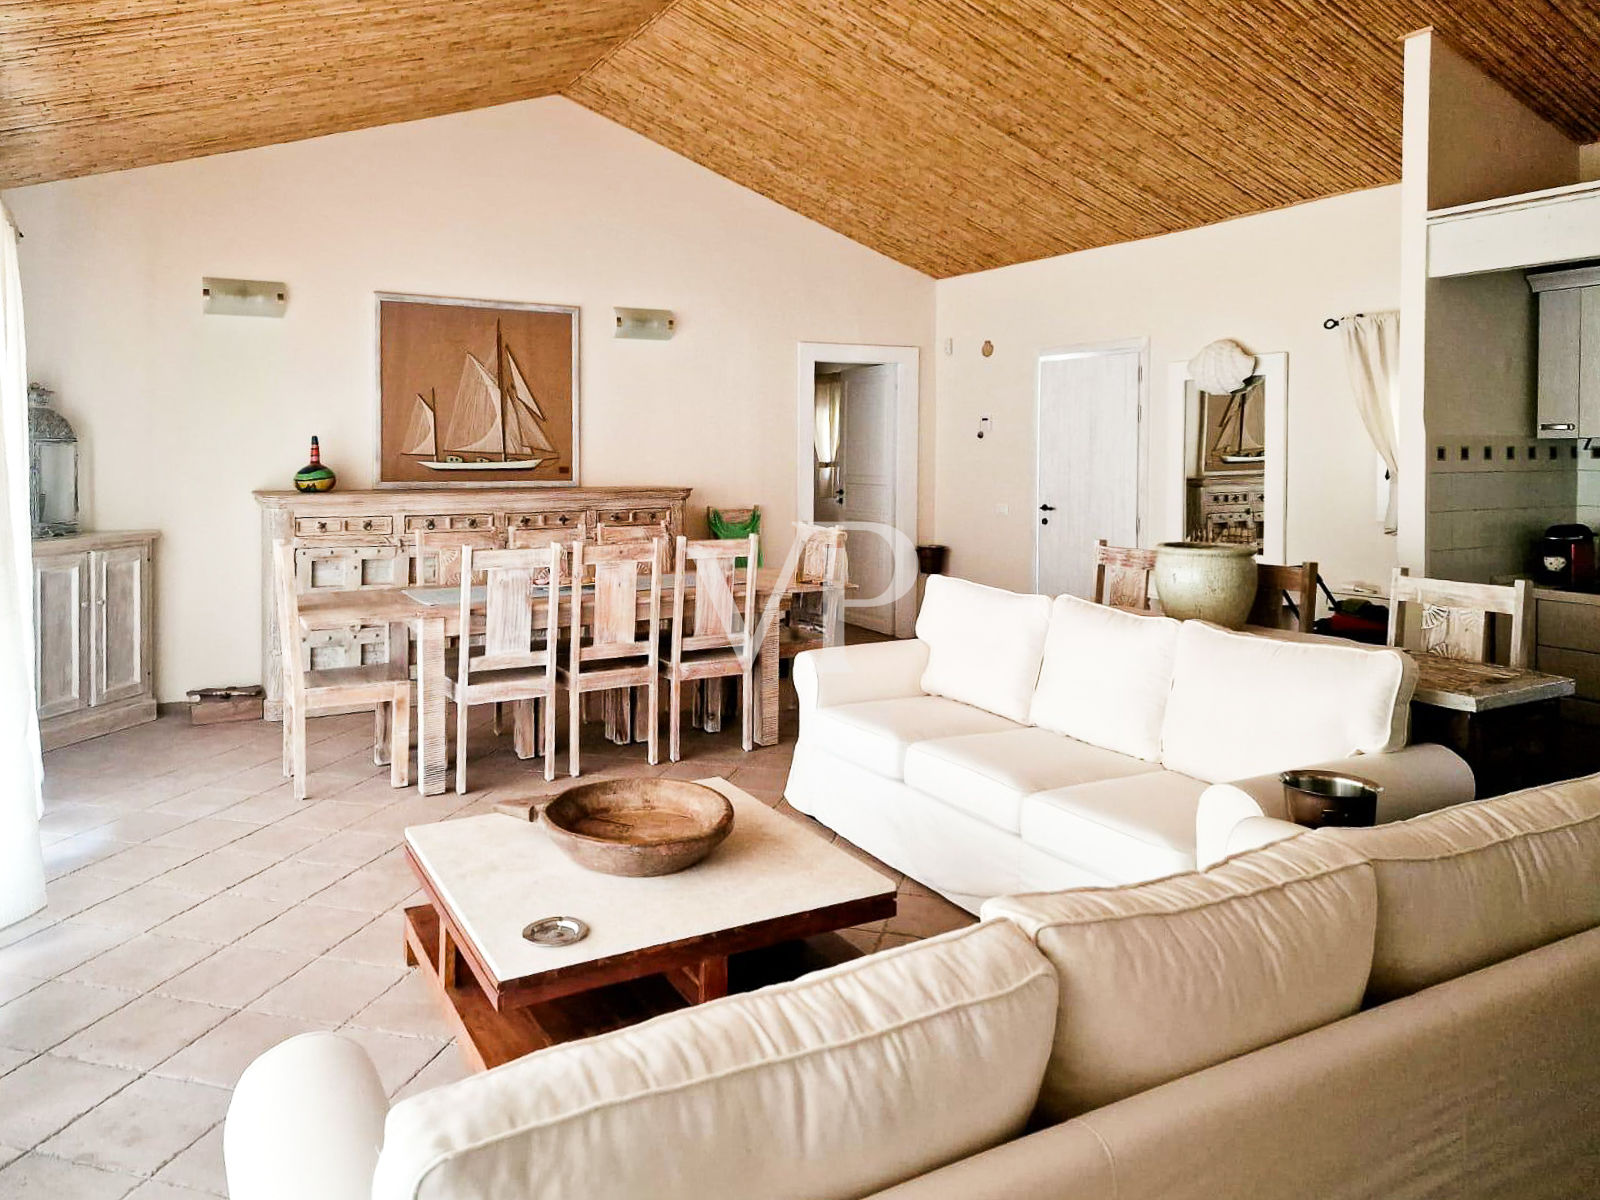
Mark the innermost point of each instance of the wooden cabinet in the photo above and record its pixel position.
(1569, 352)
(93, 634)
(392, 517)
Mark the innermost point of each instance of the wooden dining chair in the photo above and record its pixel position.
(537, 537)
(1122, 575)
(437, 553)
(1457, 618)
(660, 532)
(619, 650)
(1286, 597)
(385, 685)
(722, 644)
(816, 619)
(521, 631)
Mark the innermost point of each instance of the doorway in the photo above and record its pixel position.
(857, 469)
(1090, 466)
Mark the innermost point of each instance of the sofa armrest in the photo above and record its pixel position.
(853, 674)
(1415, 780)
(305, 1123)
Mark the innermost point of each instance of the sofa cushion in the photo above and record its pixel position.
(984, 644)
(877, 733)
(1467, 886)
(836, 1085)
(988, 774)
(1161, 979)
(1105, 676)
(1125, 830)
(1244, 705)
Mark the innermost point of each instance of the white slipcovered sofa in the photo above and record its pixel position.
(1021, 743)
(1400, 1011)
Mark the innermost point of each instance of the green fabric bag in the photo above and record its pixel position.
(726, 530)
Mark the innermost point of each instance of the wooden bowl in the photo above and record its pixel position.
(638, 827)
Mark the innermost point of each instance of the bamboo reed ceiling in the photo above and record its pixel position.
(98, 85)
(952, 135)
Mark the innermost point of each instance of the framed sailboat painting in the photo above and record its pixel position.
(476, 393)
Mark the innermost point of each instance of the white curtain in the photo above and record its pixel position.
(21, 773)
(1372, 354)
(830, 397)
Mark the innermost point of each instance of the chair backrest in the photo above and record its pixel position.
(615, 630)
(1286, 597)
(522, 603)
(287, 598)
(1456, 617)
(438, 552)
(1122, 575)
(721, 584)
(659, 533)
(533, 537)
(822, 555)
(343, 562)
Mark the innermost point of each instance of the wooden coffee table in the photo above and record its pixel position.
(654, 944)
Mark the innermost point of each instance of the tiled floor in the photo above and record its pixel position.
(198, 914)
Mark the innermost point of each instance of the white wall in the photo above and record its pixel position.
(1267, 281)
(183, 415)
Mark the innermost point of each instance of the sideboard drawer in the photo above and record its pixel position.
(449, 521)
(549, 519)
(310, 527)
(632, 516)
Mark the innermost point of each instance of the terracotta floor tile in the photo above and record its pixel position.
(40, 1177)
(206, 833)
(216, 871)
(222, 919)
(290, 881)
(327, 991)
(220, 1056)
(233, 976)
(199, 1167)
(55, 949)
(140, 963)
(142, 1127)
(379, 943)
(310, 928)
(54, 1011)
(143, 1033)
(277, 841)
(49, 1093)
(142, 862)
(347, 848)
(140, 908)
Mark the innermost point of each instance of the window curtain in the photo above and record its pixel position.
(21, 772)
(1372, 354)
(830, 396)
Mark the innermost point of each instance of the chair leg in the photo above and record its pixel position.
(747, 698)
(638, 698)
(297, 750)
(547, 733)
(400, 739)
(674, 715)
(380, 733)
(652, 715)
(574, 729)
(499, 721)
(286, 721)
(713, 709)
(463, 711)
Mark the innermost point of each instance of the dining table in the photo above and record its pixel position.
(432, 615)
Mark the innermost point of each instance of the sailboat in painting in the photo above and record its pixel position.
(493, 424)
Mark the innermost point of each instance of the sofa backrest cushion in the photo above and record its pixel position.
(836, 1085)
(1163, 978)
(1245, 705)
(1105, 676)
(1471, 885)
(984, 644)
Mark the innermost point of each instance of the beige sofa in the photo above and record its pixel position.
(1402, 1011)
(1023, 744)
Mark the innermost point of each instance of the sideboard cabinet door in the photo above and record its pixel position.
(119, 628)
(61, 633)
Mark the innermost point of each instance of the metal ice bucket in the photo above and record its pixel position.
(1321, 798)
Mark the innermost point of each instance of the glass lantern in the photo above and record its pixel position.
(52, 467)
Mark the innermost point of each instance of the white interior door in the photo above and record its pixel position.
(866, 488)
(1088, 464)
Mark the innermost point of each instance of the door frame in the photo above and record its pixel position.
(907, 363)
(1139, 346)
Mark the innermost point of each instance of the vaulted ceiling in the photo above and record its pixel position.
(952, 135)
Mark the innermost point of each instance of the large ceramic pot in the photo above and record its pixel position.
(1206, 581)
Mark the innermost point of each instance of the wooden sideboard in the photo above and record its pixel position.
(386, 519)
(93, 634)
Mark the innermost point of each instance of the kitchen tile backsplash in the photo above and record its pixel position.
(1490, 497)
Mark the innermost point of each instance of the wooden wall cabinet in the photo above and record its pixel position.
(94, 631)
(1569, 352)
(390, 517)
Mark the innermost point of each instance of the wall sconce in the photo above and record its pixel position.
(646, 324)
(243, 297)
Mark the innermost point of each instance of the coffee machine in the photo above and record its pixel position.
(1566, 558)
